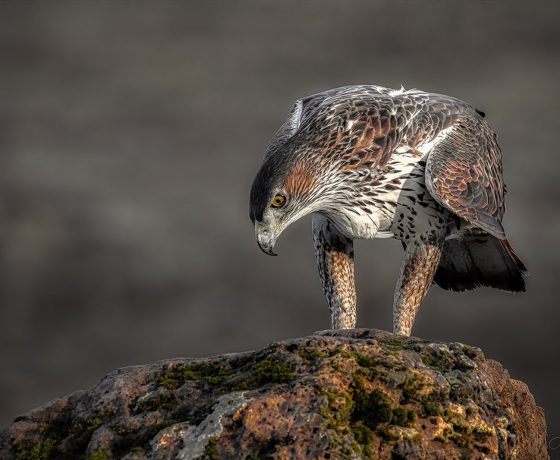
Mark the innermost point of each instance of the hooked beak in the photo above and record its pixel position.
(265, 239)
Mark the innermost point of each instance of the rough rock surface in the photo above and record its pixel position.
(337, 394)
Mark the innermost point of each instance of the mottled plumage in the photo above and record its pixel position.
(376, 162)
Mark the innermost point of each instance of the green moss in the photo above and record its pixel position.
(78, 435)
(337, 367)
(445, 360)
(41, 450)
(440, 359)
(373, 368)
(81, 432)
(121, 428)
(375, 407)
(263, 449)
(402, 417)
(432, 408)
(463, 434)
(363, 360)
(364, 436)
(409, 388)
(429, 358)
(337, 414)
(253, 373)
(100, 455)
(209, 372)
(480, 435)
(210, 450)
(265, 371)
(273, 371)
(341, 406)
(370, 407)
(459, 439)
(364, 415)
(394, 343)
(312, 356)
(387, 434)
(159, 401)
(471, 352)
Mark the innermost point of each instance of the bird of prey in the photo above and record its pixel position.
(374, 162)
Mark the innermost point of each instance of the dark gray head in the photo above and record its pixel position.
(284, 190)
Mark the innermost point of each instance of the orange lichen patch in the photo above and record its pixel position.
(165, 440)
(260, 414)
(301, 180)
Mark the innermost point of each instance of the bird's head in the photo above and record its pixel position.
(285, 189)
(313, 160)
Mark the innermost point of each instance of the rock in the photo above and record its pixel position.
(335, 394)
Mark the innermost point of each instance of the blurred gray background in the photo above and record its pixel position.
(129, 136)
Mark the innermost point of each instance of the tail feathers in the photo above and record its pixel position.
(516, 260)
(475, 260)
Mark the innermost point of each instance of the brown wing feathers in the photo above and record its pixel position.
(464, 173)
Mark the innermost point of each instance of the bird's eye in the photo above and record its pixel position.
(278, 201)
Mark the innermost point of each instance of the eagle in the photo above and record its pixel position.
(373, 162)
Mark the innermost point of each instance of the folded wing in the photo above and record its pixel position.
(464, 174)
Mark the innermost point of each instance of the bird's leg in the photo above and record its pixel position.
(335, 258)
(421, 261)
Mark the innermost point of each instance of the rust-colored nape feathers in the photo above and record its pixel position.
(300, 180)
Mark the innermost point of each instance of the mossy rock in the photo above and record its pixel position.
(338, 394)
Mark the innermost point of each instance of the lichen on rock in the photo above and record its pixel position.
(335, 394)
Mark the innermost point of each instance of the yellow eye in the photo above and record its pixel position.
(278, 201)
